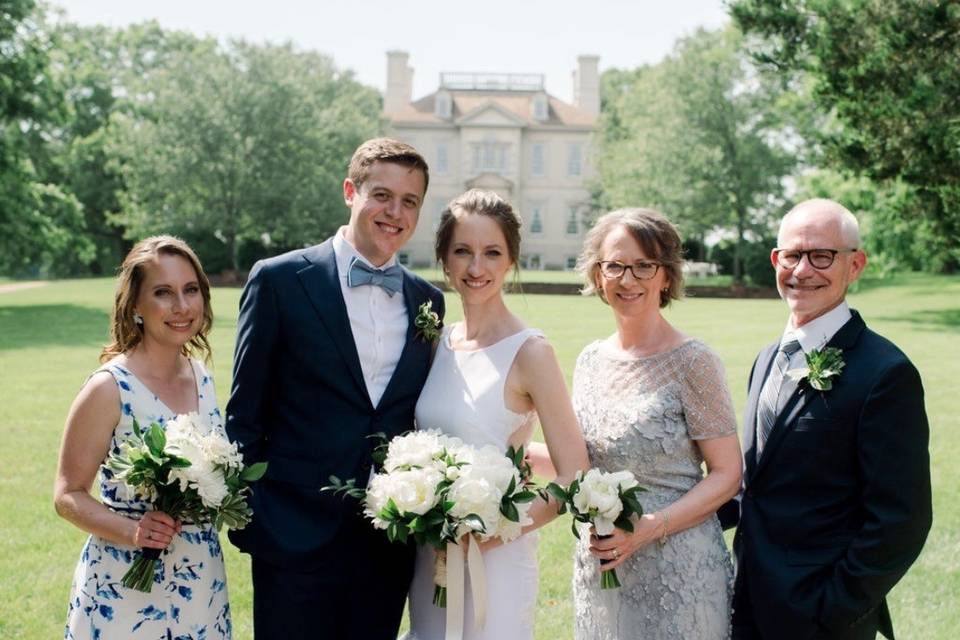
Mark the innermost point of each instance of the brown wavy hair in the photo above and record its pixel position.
(655, 234)
(385, 150)
(125, 333)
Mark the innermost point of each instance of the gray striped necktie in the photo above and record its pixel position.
(768, 407)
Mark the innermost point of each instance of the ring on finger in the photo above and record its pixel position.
(616, 553)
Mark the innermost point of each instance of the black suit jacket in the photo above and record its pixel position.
(299, 402)
(838, 506)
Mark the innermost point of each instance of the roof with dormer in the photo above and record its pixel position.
(515, 106)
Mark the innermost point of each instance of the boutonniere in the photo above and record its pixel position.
(428, 322)
(822, 367)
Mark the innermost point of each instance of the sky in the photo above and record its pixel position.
(517, 36)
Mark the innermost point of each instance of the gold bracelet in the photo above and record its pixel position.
(666, 524)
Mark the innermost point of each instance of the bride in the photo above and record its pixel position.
(491, 379)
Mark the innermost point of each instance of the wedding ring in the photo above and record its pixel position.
(616, 553)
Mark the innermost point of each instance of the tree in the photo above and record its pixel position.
(41, 225)
(102, 71)
(886, 71)
(697, 136)
(247, 144)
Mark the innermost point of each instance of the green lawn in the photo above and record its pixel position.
(50, 337)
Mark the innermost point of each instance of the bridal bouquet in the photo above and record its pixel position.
(605, 500)
(190, 472)
(437, 489)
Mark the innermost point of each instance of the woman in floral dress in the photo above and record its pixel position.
(160, 319)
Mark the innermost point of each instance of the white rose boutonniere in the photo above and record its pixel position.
(822, 367)
(428, 322)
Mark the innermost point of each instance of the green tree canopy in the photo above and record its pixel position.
(698, 137)
(247, 143)
(886, 71)
(41, 225)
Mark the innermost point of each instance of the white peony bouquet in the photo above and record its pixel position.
(436, 489)
(190, 472)
(607, 500)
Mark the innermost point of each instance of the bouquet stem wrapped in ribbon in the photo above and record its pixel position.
(604, 500)
(190, 472)
(438, 490)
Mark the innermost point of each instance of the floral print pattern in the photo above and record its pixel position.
(189, 597)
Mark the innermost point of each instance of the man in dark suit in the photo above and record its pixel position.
(328, 355)
(836, 499)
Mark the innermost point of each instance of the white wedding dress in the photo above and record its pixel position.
(463, 397)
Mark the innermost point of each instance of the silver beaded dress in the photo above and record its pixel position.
(645, 414)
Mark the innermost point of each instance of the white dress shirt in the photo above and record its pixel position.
(378, 321)
(816, 333)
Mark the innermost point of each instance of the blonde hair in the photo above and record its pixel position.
(125, 333)
(656, 236)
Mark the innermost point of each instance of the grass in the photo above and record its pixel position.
(50, 338)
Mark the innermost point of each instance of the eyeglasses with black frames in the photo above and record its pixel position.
(613, 270)
(818, 258)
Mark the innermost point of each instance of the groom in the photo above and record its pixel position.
(836, 500)
(327, 356)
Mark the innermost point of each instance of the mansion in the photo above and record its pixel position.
(505, 133)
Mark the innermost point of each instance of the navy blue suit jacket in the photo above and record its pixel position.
(838, 506)
(299, 402)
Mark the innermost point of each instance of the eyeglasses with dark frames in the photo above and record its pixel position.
(614, 270)
(818, 258)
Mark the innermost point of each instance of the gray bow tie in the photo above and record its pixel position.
(360, 273)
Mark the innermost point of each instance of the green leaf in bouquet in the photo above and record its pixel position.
(524, 496)
(624, 522)
(136, 429)
(177, 462)
(253, 472)
(417, 524)
(558, 493)
(447, 505)
(511, 486)
(509, 510)
(575, 528)
(397, 532)
(475, 522)
(156, 440)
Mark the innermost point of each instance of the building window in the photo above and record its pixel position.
(403, 258)
(533, 262)
(540, 107)
(536, 221)
(571, 263)
(490, 156)
(575, 160)
(440, 166)
(443, 107)
(573, 222)
(537, 160)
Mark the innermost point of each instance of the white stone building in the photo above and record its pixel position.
(506, 133)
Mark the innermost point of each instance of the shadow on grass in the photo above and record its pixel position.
(931, 320)
(46, 325)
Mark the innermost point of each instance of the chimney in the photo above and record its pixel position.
(586, 84)
(399, 82)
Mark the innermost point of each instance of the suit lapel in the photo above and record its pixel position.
(761, 371)
(411, 299)
(802, 394)
(321, 282)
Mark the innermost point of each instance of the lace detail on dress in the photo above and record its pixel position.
(643, 414)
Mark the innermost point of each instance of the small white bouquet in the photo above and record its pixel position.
(607, 500)
(190, 472)
(437, 489)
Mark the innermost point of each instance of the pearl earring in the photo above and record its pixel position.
(138, 318)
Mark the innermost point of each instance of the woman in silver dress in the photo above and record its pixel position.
(653, 400)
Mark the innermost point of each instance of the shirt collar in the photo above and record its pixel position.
(817, 333)
(346, 252)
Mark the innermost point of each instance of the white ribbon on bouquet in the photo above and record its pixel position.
(455, 587)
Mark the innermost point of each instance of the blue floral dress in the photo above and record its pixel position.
(189, 596)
